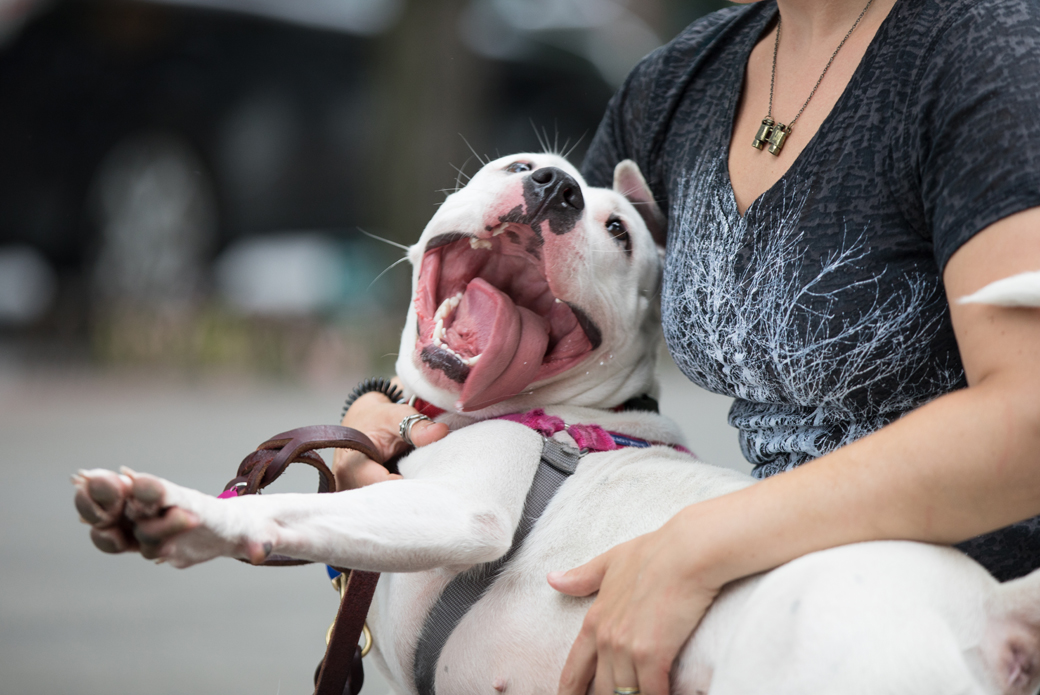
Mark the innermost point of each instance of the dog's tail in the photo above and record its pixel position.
(1018, 290)
(1012, 647)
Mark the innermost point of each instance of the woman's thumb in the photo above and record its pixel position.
(580, 581)
(426, 432)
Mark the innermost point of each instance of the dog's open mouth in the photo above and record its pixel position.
(488, 321)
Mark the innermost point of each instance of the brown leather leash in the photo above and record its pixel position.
(340, 672)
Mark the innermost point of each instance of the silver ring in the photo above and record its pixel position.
(626, 691)
(405, 428)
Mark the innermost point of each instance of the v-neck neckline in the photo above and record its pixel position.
(810, 148)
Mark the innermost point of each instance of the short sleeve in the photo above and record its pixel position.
(977, 121)
(638, 115)
(622, 134)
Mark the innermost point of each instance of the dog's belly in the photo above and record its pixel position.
(880, 617)
(517, 637)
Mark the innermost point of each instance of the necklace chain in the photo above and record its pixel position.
(776, 133)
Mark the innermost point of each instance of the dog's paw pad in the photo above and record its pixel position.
(148, 490)
(106, 490)
(86, 508)
(100, 497)
(109, 540)
(147, 497)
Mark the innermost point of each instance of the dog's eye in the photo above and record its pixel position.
(517, 167)
(618, 230)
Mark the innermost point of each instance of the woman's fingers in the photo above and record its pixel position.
(582, 663)
(353, 469)
(380, 420)
(646, 608)
(580, 667)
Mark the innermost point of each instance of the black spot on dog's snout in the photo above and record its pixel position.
(516, 215)
(554, 196)
(591, 329)
(448, 363)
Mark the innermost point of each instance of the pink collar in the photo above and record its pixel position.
(589, 438)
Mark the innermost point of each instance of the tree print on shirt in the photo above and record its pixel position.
(817, 350)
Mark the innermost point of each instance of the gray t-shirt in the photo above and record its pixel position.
(822, 310)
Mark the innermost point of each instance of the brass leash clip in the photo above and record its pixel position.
(339, 583)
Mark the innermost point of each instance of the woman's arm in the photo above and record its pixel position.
(964, 464)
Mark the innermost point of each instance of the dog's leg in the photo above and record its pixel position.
(400, 526)
(460, 509)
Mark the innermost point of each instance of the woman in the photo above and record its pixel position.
(814, 282)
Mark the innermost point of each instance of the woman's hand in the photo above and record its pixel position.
(650, 600)
(376, 416)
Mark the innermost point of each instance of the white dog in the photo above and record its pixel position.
(532, 290)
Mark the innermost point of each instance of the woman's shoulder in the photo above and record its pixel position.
(640, 110)
(966, 48)
(660, 78)
(970, 81)
(973, 28)
(698, 40)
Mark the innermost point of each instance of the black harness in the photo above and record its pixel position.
(558, 462)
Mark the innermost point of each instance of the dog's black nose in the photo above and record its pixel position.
(557, 190)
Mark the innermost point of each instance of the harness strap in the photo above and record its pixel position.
(557, 463)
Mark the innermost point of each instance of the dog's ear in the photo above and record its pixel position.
(629, 182)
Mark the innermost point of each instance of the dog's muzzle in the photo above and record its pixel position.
(489, 324)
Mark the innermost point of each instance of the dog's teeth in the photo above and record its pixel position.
(469, 361)
(499, 229)
(475, 243)
(438, 333)
(447, 306)
(558, 300)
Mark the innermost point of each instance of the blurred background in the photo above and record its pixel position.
(185, 188)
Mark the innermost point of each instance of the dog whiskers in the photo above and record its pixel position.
(568, 152)
(386, 270)
(482, 162)
(458, 178)
(385, 241)
(542, 142)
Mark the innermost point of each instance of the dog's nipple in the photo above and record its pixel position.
(500, 685)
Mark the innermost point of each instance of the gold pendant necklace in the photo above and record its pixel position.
(776, 133)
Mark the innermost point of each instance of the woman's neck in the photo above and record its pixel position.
(812, 23)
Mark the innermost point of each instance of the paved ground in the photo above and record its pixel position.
(75, 621)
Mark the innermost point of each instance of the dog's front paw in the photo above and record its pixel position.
(100, 500)
(161, 520)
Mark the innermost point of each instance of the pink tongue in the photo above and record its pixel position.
(511, 341)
